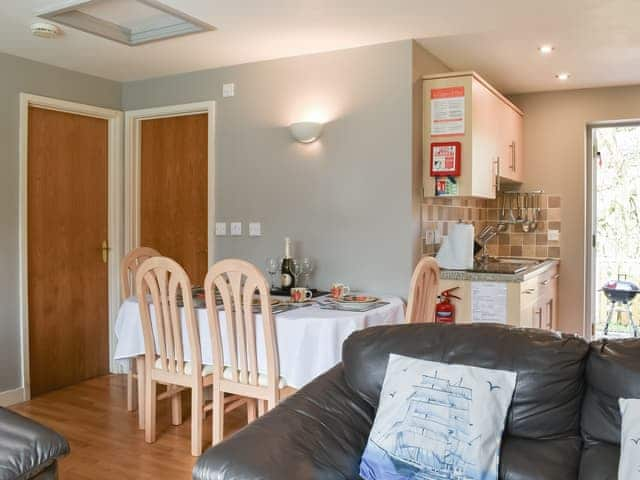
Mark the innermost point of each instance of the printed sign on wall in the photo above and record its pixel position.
(447, 111)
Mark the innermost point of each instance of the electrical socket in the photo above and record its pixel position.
(221, 229)
(236, 229)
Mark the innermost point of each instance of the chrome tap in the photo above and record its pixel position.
(485, 235)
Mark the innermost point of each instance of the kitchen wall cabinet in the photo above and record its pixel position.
(491, 137)
(531, 303)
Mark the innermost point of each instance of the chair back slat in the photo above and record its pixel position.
(423, 291)
(239, 283)
(234, 281)
(250, 288)
(128, 266)
(160, 283)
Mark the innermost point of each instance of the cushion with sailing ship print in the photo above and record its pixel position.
(437, 421)
(629, 466)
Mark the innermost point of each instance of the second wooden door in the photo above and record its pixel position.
(173, 190)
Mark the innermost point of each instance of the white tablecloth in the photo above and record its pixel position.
(309, 339)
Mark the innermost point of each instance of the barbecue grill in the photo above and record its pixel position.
(620, 292)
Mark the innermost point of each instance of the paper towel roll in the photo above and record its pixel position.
(456, 252)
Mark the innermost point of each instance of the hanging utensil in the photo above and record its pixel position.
(525, 223)
(519, 218)
(512, 218)
(534, 214)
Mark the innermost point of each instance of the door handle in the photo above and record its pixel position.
(105, 251)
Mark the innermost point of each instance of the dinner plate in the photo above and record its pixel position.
(357, 299)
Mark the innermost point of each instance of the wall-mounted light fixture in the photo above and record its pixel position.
(306, 132)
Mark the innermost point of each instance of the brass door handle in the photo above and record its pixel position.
(105, 251)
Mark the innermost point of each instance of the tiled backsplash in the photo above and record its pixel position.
(440, 212)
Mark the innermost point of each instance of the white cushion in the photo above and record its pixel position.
(188, 368)
(438, 420)
(629, 465)
(263, 380)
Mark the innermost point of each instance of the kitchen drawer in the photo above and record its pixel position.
(547, 282)
(529, 291)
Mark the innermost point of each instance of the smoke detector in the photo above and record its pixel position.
(45, 30)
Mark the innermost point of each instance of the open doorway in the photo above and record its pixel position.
(615, 228)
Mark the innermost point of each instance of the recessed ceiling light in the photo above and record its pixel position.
(45, 30)
(545, 49)
(563, 76)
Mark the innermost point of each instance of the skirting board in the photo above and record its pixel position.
(11, 397)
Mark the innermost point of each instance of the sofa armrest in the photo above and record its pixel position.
(318, 433)
(28, 449)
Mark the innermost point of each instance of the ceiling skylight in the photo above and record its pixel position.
(132, 22)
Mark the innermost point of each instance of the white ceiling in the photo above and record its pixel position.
(598, 41)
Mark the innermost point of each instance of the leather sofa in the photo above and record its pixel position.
(28, 450)
(563, 422)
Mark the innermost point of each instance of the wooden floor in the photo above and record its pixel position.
(104, 437)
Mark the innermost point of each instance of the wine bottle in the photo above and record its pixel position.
(286, 273)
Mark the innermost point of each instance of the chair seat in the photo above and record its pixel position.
(188, 368)
(263, 380)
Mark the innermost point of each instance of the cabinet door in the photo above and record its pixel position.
(485, 121)
(510, 143)
(537, 313)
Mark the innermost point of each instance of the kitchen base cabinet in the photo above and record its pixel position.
(530, 303)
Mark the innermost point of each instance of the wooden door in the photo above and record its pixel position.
(67, 223)
(173, 190)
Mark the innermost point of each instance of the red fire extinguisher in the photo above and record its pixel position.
(445, 310)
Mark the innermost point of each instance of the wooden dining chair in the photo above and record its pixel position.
(128, 267)
(239, 283)
(423, 292)
(163, 281)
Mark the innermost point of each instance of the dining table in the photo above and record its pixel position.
(309, 338)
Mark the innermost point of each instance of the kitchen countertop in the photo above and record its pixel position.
(468, 275)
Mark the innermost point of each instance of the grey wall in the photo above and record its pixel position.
(19, 75)
(424, 63)
(346, 200)
(350, 200)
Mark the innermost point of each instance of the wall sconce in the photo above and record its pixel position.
(306, 132)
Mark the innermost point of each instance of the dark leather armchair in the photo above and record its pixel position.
(320, 432)
(28, 450)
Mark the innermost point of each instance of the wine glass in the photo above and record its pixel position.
(307, 269)
(296, 270)
(272, 269)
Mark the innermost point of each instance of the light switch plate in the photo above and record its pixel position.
(228, 90)
(236, 229)
(255, 229)
(553, 235)
(221, 229)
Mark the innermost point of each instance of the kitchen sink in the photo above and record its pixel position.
(509, 265)
(524, 261)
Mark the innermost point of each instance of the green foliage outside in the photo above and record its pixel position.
(618, 217)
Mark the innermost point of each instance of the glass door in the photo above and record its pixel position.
(615, 229)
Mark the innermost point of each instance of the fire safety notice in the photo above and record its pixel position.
(447, 111)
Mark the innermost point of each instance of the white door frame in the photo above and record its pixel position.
(132, 167)
(114, 209)
(590, 220)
